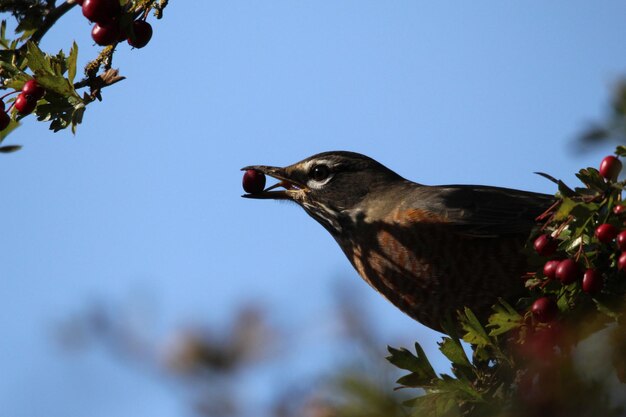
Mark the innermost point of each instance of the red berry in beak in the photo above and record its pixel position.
(253, 181)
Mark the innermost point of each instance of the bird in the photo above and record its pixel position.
(430, 250)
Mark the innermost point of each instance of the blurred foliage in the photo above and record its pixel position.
(524, 364)
(212, 362)
(612, 128)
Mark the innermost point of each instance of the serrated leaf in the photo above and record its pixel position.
(437, 404)
(592, 179)
(71, 63)
(416, 380)
(620, 151)
(462, 390)
(566, 206)
(422, 372)
(504, 319)
(453, 350)
(475, 332)
(37, 61)
(9, 70)
(57, 84)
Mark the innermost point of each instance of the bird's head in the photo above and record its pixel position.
(327, 185)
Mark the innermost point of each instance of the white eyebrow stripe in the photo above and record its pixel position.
(316, 185)
(309, 164)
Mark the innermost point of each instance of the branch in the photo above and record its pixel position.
(51, 18)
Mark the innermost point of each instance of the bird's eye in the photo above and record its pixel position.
(319, 172)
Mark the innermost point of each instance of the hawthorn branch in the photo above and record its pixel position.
(96, 84)
(51, 18)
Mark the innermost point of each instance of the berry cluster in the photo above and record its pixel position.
(593, 256)
(109, 24)
(25, 102)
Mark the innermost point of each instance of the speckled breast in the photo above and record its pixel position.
(428, 270)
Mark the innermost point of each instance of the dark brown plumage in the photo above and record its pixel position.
(430, 250)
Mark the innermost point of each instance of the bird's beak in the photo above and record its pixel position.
(291, 187)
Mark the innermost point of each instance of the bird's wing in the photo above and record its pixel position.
(481, 211)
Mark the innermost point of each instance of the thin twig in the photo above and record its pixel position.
(51, 18)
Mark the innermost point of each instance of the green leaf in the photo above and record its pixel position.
(71, 63)
(4, 133)
(462, 390)
(564, 209)
(453, 350)
(592, 179)
(58, 84)
(8, 69)
(475, 332)
(620, 151)
(504, 319)
(37, 61)
(422, 372)
(438, 404)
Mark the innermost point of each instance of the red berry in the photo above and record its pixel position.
(621, 262)
(141, 34)
(621, 241)
(253, 181)
(5, 119)
(101, 11)
(545, 245)
(592, 281)
(606, 232)
(544, 309)
(567, 271)
(619, 209)
(25, 104)
(33, 89)
(549, 269)
(105, 34)
(610, 168)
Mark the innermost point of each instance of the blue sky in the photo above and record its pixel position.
(146, 196)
